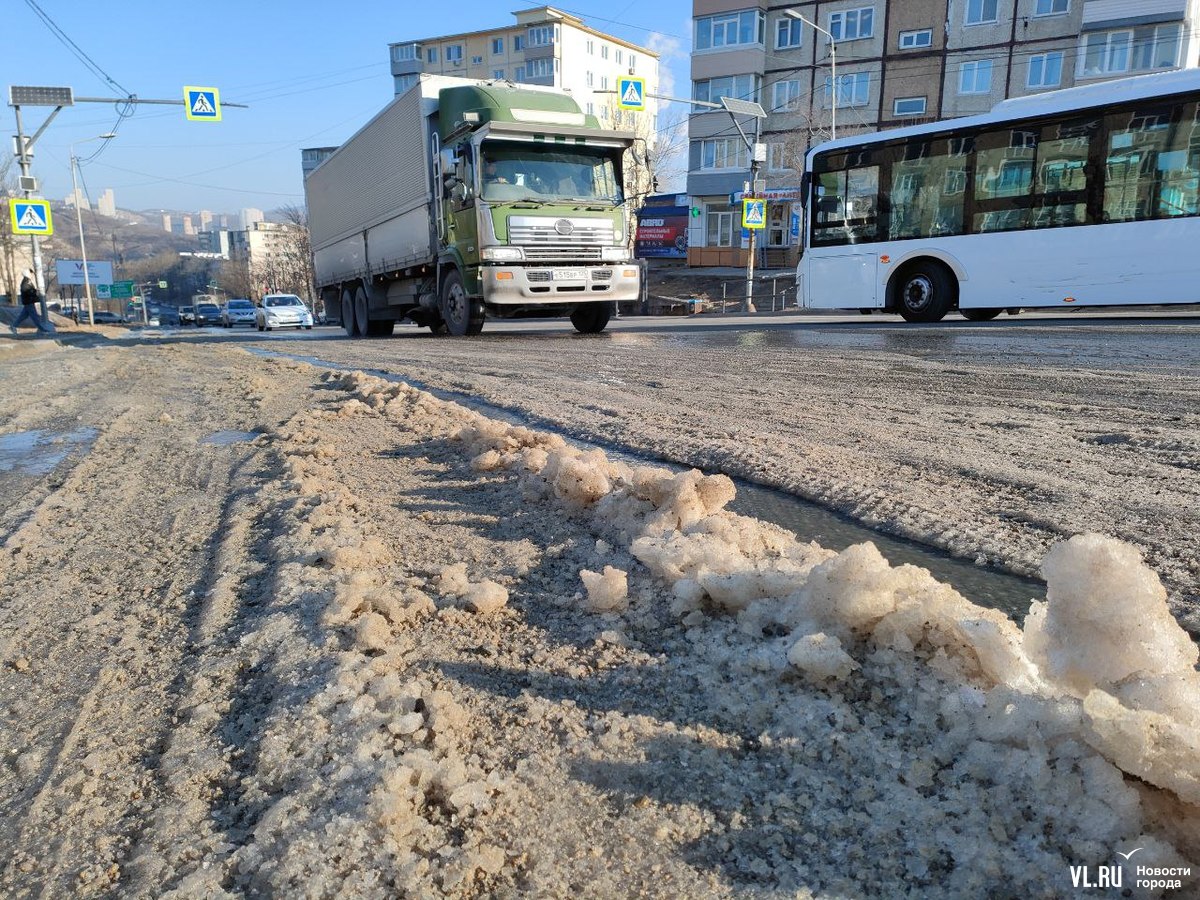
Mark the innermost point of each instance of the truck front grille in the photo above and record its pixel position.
(548, 253)
(561, 234)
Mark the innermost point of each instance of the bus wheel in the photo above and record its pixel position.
(980, 315)
(348, 314)
(591, 318)
(462, 314)
(926, 292)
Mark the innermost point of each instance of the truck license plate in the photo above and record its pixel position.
(569, 274)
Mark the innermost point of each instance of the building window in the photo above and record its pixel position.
(498, 74)
(1052, 7)
(730, 30)
(718, 227)
(404, 82)
(497, 45)
(476, 60)
(604, 51)
(519, 74)
(518, 42)
(1105, 52)
(619, 57)
(788, 33)
(540, 68)
(853, 90)
(740, 87)
(975, 77)
(981, 12)
(785, 95)
(604, 82)
(591, 80)
(432, 54)
(1156, 47)
(1045, 70)
(591, 48)
(916, 40)
(908, 107)
(632, 61)
(591, 108)
(454, 53)
(542, 35)
(852, 24)
(405, 52)
(724, 153)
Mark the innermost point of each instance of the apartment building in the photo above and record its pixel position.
(544, 46)
(898, 62)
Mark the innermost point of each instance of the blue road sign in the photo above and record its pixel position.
(631, 93)
(30, 217)
(754, 214)
(202, 104)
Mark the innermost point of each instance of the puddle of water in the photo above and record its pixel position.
(229, 437)
(37, 452)
(986, 586)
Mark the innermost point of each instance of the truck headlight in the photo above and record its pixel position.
(503, 254)
(614, 254)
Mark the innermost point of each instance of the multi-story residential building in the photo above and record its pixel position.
(216, 241)
(311, 157)
(898, 62)
(166, 223)
(78, 199)
(250, 217)
(545, 46)
(107, 204)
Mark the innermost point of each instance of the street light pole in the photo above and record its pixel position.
(792, 14)
(87, 281)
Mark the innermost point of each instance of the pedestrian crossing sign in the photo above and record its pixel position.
(631, 93)
(754, 214)
(202, 104)
(31, 217)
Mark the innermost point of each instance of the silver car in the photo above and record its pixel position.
(283, 311)
(237, 312)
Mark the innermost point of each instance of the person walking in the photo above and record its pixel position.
(29, 301)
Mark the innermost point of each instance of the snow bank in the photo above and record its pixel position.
(1102, 676)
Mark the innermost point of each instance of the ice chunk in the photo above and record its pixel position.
(821, 656)
(607, 591)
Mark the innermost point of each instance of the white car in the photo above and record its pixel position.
(282, 311)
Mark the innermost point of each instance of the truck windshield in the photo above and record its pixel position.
(524, 172)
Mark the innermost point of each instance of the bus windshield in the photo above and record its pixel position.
(541, 174)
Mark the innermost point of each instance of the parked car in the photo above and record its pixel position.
(187, 315)
(169, 315)
(208, 314)
(282, 311)
(237, 312)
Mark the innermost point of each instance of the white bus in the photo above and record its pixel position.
(1084, 196)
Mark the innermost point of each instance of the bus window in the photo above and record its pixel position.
(847, 205)
(1133, 177)
(1063, 173)
(1004, 163)
(927, 192)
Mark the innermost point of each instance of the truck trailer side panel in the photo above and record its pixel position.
(378, 181)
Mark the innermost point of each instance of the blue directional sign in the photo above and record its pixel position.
(631, 93)
(754, 214)
(31, 217)
(202, 104)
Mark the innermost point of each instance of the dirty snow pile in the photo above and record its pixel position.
(1100, 668)
(1085, 720)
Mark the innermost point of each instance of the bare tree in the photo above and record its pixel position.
(653, 160)
(234, 277)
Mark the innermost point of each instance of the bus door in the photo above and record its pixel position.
(845, 217)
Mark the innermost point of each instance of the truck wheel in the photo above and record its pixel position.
(348, 314)
(591, 318)
(362, 317)
(462, 314)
